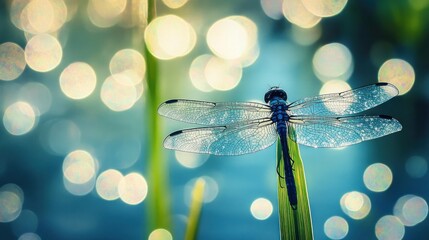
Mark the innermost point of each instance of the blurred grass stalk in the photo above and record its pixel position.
(294, 224)
(195, 210)
(158, 202)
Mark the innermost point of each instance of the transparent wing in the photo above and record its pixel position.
(235, 139)
(211, 114)
(341, 131)
(344, 103)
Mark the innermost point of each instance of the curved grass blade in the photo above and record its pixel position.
(158, 206)
(294, 224)
(195, 210)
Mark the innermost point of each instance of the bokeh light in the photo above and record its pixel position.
(411, 210)
(389, 227)
(10, 206)
(399, 73)
(336, 227)
(129, 62)
(233, 38)
(377, 177)
(355, 204)
(119, 92)
(251, 51)
(29, 236)
(79, 167)
(333, 61)
(222, 75)
(109, 8)
(336, 86)
(211, 189)
(38, 16)
(43, 16)
(190, 160)
(174, 3)
(272, 8)
(38, 94)
(261, 208)
(72, 7)
(306, 36)
(12, 61)
(227, 39)
(15, 11)
(295, 12)
(416, 166)
(97, 19)
(135, 15)
(160, 234)
(324, 8)
(354, 201)
(169, 37)
(197, 73)
(399, 206)
(249, 56)
(11, 200)
(132, 188)
(19, 118)
(107, 184)
(78, 189)
(43, 53)
(105, 14)
(139, 91)
(78, 80)
(415, 210)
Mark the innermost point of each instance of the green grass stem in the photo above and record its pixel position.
(195, 210)
(294, 224)
(158, 199)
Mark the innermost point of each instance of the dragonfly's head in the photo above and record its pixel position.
(273, 93)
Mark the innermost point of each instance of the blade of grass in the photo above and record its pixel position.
(158, 206)
(195, 210)
(294, 224)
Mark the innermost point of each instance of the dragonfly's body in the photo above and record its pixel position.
(235, 128)
(280, 117)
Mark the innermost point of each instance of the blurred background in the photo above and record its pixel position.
(76, 134)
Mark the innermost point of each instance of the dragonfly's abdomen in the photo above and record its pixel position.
(288, 171)
(280, 117)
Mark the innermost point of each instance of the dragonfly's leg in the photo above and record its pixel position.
(280, 182)
(278, 170)
(292, 162)
(279, 174)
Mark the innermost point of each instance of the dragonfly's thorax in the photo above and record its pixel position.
(279, 114)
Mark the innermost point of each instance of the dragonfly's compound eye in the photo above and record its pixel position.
(267, 96)
(271, 94)
(283, 95)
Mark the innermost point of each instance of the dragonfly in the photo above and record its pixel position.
(323, 121)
